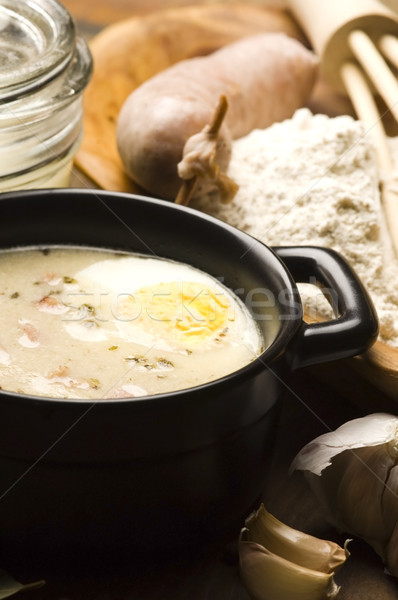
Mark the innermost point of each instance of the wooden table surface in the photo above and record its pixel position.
(311, 405)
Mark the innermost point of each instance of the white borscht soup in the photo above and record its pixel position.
(87, 323)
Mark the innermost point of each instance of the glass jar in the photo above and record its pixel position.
(44, 68)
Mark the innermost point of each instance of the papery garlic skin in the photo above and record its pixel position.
(353, 472)
(372, 430)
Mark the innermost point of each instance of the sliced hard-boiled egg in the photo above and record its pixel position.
(158, 303)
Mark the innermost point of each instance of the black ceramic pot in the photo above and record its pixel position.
(173, 469)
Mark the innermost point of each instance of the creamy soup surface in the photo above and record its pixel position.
(86, 323)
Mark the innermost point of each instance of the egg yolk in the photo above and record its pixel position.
(189, 313)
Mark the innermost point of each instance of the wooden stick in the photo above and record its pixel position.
(186, 191)
(218, 115)
(365, 107)
(361, 96)
(388, 44)
(188, 186)
(376, 68)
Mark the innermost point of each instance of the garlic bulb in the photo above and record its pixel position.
(278, 562)
(353, 471)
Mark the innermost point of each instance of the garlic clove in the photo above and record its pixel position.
(267, 576)
(293, 545)
(279, 562)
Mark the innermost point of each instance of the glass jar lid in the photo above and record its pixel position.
(37, 41)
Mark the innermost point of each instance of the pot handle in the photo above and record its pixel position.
(355, 327)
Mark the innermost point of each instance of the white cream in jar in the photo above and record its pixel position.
(86, 323)
(44, 69)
